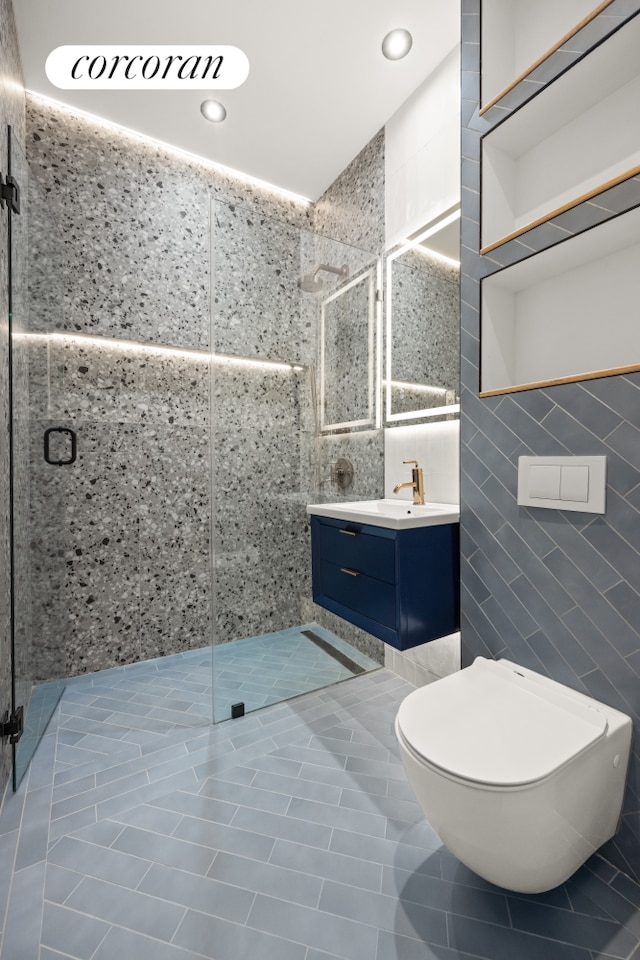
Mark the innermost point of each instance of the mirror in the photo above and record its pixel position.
(347, 354)
(422, 331)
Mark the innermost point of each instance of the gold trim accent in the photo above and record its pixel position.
(591, 375)
(352, 573)
(607, 185)
(594, 13)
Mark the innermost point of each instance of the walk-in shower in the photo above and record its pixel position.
(178, 528)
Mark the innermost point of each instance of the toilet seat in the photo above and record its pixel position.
(499, 725)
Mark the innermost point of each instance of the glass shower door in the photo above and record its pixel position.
(271, 281)
(34, 293)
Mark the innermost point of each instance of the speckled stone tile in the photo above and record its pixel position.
(246, 396)
(173, 226)
(174, 471)
(137, 236)
(260, 577)
(102, 488)
(168, 625)
(175, 571)
(256, 310)
(124, 249)
(172, 389)
(261, 200)
(75, 378)
(365, 451)
(244, 605)
(352, 209)
(45, 263)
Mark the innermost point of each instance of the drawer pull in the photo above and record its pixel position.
(352, 573)
(349, 533)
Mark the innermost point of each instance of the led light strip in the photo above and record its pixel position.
(135, 345)
(178, 151)
(416, 243)
(418, 387)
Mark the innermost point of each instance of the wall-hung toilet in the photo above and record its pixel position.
(521, 777)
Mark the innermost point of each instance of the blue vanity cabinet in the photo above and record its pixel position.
(399, 585)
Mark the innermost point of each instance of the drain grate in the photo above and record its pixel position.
(338, 655)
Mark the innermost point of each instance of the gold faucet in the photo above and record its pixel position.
(417, 483)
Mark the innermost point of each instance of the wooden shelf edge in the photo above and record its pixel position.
(575, 378)
(601, 188)
(525, 73)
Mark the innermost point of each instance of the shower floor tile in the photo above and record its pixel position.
(263, 670)
(287, 833)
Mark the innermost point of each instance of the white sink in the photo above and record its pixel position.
(396, 514)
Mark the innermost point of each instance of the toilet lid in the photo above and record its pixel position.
(493, 725)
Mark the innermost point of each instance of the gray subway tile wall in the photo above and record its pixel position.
(554, 591)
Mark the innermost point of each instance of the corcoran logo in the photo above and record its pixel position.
(147, 67)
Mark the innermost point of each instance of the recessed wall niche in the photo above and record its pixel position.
(517, 35)
(569, 313)
(566, 144)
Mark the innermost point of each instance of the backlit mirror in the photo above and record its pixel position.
(422, 324)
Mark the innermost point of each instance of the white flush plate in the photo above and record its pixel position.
(563, 483)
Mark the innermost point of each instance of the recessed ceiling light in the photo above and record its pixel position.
(397, 44)
(213, 110)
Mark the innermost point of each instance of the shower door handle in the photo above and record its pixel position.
(72, 451)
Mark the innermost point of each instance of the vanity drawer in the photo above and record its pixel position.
(346, 545)
(359, 592)
(406, 585)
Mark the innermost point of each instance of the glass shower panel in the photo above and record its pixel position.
(38, 562)
(265, 425)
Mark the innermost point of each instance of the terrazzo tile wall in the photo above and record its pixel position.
(558, 592)
(262, 423)
(135, 578)
(12, 113)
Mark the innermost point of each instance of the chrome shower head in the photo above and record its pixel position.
(311, 284)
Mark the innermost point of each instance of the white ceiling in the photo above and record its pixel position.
(318, 88)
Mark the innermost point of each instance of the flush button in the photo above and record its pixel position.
(574, 483)
(544, 482)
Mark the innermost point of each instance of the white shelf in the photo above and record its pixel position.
(568, 313)
(575, 138)
(518, 34)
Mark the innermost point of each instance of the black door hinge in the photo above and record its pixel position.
(13, 726)
(10, 194)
